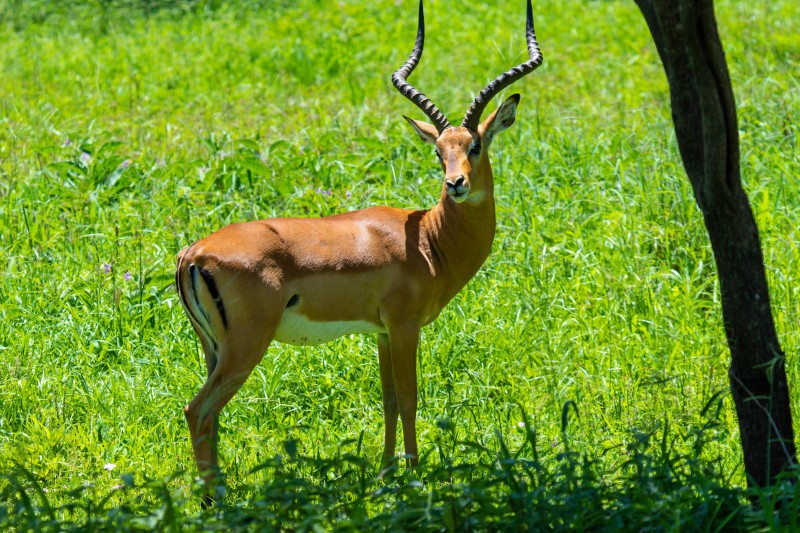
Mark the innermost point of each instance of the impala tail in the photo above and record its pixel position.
(201, 299)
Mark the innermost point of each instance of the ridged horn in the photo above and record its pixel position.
(407, 90)
(475, 111)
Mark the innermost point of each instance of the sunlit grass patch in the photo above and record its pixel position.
(129, 131)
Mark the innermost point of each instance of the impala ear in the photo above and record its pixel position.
(502, 119)
(427, 132)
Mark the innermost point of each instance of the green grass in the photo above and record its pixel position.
(130, 129)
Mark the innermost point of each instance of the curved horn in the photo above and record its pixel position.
(507, 78)
(407, 90)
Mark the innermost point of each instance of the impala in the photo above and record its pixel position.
(380, 270)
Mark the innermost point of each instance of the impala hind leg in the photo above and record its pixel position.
(237, 358)
(403, 344)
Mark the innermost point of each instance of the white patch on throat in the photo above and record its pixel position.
(297, 329)
(475, 197)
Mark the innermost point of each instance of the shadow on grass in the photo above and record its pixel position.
(460, 486)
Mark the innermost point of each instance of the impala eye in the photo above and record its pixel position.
(475, 149)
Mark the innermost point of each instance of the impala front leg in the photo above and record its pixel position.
(390, 408)
(403, 344)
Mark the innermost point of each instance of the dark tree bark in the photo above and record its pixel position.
(704, 113)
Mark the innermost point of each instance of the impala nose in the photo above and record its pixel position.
(457, 188)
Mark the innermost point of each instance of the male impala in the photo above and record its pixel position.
(380, 270)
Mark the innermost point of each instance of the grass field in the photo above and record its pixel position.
(578, 382)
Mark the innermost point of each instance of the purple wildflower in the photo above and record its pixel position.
(85, 158)
(127, 276)
(67, 142)
(106, 268)
(348, 194)
(125, 164)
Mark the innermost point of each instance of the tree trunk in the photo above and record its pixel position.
(704, 113)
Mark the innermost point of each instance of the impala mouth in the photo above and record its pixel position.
(459, 196)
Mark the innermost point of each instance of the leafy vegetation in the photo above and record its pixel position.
(129, 129)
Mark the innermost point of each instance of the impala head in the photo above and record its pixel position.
(462, 150)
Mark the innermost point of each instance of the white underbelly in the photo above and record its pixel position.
(297, 329)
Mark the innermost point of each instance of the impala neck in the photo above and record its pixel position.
(460, 235)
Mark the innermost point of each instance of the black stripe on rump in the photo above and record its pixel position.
(212, 288)
(204, 324)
